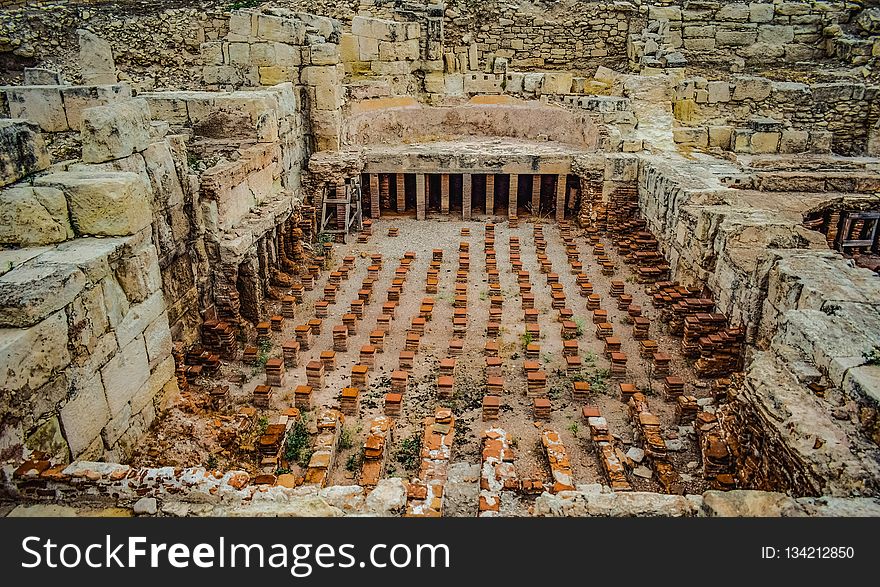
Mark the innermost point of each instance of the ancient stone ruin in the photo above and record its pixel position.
(549, 258)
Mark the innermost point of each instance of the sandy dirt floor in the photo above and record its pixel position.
(189, 435)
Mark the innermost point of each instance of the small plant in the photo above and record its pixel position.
(581, 326)
(262, 424)
(597, 380)
(408, 452)
(345, 440)
(514, 441)
(282, 471)
(484, 295)
(354, 462)
(527, 339)
(211, 462)
(873, 356)
(590, 359)
(192, 159)
(238, 4)
(573, 428)
(324, 238)
(296, 447)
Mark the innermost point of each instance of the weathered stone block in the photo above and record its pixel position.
(270, 76)
(31, 356)
(557, 83)
(720, 136)
(792, 8)
(161, 381)
(40, 105)
(759, 12)
(324, 53)
(283, 30)
(95, 59)
(691, 136)
(737, 12)
(221, 75)
(78, 98)
(40, 76)
(212, 52)
(139, 317)
(33, 216)
(794, 141)
(664, 13)
(22, 150)
(31, 292)
(699, 44)
(348, 48)
(125, 374)
(287, 55)
(765, 142)
(718, 92)
(115, 131)
(731, 38)
(104, 203)
(742, 140)
(775, 34)
(751, 88)
(239, 54)
(85, 415)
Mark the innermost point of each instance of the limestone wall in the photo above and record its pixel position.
(84, 327)
(806, 416)
(577, 36)
(57, 108)
(752, 114)
(731, 34)
(154, 47)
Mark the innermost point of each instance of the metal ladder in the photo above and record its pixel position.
(347, 195)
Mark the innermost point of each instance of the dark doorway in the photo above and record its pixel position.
(524, 195)
(432, 186)
(455, 192)
(478, 194)
(548, 194)
(502, 194)
(247, 284)
(410, 199)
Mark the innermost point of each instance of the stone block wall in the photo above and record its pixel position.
(751, 114)
(583, 36)
(249, 147)
(275, 46)
(153, 48)
(805, 418)
(57, 108)
(731, 34)
(84, 329)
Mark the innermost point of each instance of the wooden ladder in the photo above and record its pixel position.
(346, 211)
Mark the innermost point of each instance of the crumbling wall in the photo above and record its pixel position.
(249, 147)
(155, 45)
(731, 34)
(752, 114)
(805, 417)
(572, 35)
(275, 46)
(394, 121)
(84, 335)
